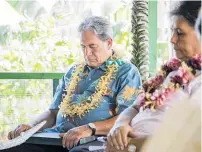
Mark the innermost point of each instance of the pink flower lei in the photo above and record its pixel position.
(155, 93)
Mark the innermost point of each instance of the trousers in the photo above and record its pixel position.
(49, 148)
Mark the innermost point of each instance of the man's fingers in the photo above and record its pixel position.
(70, 144)
(9, 135)
(19, 130)
(66, 144)
(16, 132)
(12, 134)
(70, 141)
(66, 139)
(61, 134)
(76, 141)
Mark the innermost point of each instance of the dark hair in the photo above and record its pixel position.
(188, 10)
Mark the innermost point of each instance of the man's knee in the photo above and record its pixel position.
(20, 148)
(79, 149)
(24, 148)
(85, 147)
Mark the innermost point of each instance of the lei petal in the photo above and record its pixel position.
(155, 93)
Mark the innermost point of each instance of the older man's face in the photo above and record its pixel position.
(95, 51)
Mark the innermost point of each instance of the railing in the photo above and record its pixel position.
(15, 75)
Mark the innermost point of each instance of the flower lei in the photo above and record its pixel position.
(94, 100)
(155, 92)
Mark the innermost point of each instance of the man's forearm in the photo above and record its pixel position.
(49, 116)
(103, 127)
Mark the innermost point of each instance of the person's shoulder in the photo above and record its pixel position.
(127, 69)
(71, 68)
(128, 66)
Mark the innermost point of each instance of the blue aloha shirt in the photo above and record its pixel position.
(111, 104)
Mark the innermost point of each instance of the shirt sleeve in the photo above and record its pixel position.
(57, 99)
(129, 82)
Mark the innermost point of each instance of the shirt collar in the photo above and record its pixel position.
(102, 67)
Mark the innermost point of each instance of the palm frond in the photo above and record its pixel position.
(139, 20)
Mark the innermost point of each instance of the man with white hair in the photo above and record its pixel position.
(91, 95)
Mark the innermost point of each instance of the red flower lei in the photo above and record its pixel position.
(155, 93)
